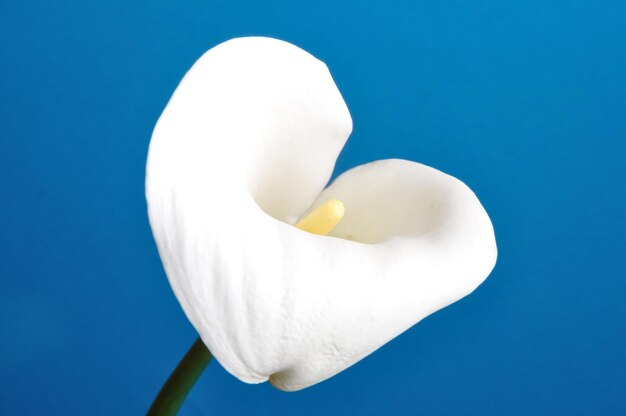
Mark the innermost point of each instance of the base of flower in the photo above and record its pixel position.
(182, 379)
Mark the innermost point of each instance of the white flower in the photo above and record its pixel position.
(243, 150)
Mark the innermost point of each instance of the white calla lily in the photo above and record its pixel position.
(244, 149)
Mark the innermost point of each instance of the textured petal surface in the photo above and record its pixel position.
(254, 129)
(413, 240)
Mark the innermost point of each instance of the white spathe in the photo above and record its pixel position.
(243, 149)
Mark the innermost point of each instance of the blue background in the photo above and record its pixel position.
(525, 101)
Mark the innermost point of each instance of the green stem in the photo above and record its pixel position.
(178, 386)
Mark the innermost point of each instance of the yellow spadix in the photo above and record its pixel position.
(324, 218)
